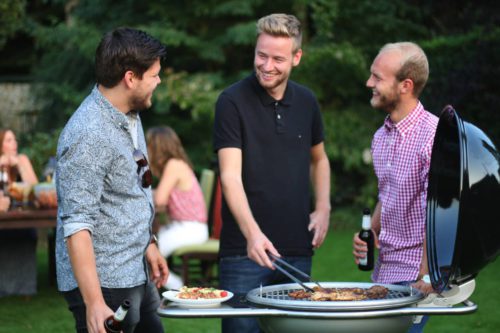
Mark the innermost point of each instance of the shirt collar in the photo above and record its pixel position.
(116, 117)
(407, 123)
(267, 99)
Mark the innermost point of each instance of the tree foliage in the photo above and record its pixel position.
(12, 14)
(210, 45)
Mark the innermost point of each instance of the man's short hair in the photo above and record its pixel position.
(281, 25)
(125, 49)
(414, 64)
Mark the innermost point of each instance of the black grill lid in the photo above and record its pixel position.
(463, 198)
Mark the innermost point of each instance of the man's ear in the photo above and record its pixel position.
(406, 86)
(129, 79)
(296, 58)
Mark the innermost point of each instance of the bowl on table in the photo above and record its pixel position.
(20, 192)
(45, 195)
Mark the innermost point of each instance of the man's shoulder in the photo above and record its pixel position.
(301, 89)
(241, 87)
(382, 130)
(430, 119)
(87, 121)
(82, 120)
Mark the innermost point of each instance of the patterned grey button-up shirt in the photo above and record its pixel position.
(99, 190)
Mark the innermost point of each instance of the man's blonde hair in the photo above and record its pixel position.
(414, 64)
(281, 25)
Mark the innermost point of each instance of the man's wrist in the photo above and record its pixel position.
(153, 240)
(426, 278)
(323, 206)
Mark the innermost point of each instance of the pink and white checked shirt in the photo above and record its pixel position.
(401, 158)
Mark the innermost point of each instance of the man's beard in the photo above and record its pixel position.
(386, 102)
(139, 103)
(276, 82)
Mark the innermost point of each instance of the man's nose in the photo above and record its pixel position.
(268, 64)
(369, 82)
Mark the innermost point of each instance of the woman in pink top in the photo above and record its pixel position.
(180, 191)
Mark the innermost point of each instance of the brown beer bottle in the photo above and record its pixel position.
(366, 234)
(114, 323)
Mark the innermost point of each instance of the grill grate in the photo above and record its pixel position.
(277, 296)
(283, 294)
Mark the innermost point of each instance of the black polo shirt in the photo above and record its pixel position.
(275, 138)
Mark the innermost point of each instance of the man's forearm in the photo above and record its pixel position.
(376, 218)
(238, 204)
(321, 182)
(81, 254)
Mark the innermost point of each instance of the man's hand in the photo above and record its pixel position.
(360, 248)
(425, 288)
(96, 315)
(158, 265)
(319, 222)
(257, 247)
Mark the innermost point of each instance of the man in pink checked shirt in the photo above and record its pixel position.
(401, 151)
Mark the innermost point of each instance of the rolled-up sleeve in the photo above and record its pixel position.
(80, 178)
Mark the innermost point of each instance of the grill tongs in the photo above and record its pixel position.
(277, 261)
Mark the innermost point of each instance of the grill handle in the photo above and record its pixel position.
(468, 307)
(228, 312)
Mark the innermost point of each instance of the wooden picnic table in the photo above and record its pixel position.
(32, 218)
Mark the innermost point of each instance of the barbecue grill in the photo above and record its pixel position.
(463, 191)
(278, 313)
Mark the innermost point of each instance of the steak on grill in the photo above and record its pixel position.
(341, 294)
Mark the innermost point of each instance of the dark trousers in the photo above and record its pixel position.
(141, 317)
(239, 274)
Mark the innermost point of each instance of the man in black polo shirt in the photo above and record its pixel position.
(268, 134)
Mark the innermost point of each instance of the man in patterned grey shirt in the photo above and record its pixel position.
(104, 247)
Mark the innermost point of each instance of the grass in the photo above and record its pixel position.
(47, 312)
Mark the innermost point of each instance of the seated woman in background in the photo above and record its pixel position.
(17, 165)
(18, 246)
(180, 191)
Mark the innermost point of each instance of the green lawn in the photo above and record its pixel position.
(47, 312)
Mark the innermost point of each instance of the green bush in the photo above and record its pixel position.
(39, 147)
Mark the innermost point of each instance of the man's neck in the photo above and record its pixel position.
(116, 97)
(278, 92)
(402, 110)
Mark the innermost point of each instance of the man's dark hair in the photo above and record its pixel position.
(125, 49)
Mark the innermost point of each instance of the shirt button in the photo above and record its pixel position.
(278, 116)
(389, 164)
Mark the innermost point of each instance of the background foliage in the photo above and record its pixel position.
(210, 45)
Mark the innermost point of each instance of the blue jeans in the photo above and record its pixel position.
(141, 317)
(239, 274)
(417, 327)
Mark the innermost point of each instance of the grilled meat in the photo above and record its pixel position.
(341, 294)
